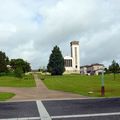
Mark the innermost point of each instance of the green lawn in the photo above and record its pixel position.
(5, 96)
(11, 81)
(83, 84)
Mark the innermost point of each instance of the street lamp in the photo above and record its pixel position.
(103, 85)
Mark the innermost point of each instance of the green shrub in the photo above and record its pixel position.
(18, 72)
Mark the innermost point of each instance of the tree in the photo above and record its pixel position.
(27, 67)
(106, 70)
(20, 63)
(3, 62)
(56, 62)
(18, 72)
(114, 68)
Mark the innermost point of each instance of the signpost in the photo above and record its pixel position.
(103, 86)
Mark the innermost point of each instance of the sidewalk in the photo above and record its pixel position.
(38, 92)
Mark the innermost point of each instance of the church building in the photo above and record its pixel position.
(72, 63)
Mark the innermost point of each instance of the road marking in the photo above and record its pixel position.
(86, 115)
(25, 118)
(45, 117)
(42, 111)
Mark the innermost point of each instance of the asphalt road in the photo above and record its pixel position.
(92, 109)
(18, 110)
(85, 109)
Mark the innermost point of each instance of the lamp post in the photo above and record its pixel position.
(103, 85)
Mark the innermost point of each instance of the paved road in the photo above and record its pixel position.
(85, 109)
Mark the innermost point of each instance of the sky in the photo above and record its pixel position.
(29, 29)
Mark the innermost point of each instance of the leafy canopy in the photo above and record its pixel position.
(21, 64)
(3, 62)
(114, 68)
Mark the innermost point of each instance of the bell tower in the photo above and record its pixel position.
(75, 54)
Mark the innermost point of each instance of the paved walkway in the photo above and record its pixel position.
(38, 92)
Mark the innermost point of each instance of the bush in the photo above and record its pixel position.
(18, 72)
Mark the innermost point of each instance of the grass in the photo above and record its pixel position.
(5, 96)
(83, 84)
(11, 81)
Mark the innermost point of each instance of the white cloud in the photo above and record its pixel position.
(30, 28)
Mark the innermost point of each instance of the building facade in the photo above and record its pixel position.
(83, 70)
(94, 69)
(72, 63)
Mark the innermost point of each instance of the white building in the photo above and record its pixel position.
(72, 63)
(94, 69)
(83, 70)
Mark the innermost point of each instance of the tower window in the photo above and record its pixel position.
(75, 55)
(68, 63)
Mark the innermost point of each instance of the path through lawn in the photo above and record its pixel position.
(38, 92)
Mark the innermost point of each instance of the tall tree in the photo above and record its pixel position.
(114, 68)
(20, 63)
(56, 62)
(3, 62)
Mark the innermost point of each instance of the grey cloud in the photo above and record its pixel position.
(39, 25)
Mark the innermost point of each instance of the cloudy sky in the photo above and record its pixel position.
(30, 28)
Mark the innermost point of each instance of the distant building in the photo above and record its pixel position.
(94, 69)
(83, 70)
(72, 63)
(34, 70)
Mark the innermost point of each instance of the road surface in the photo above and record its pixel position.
(79, 109)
